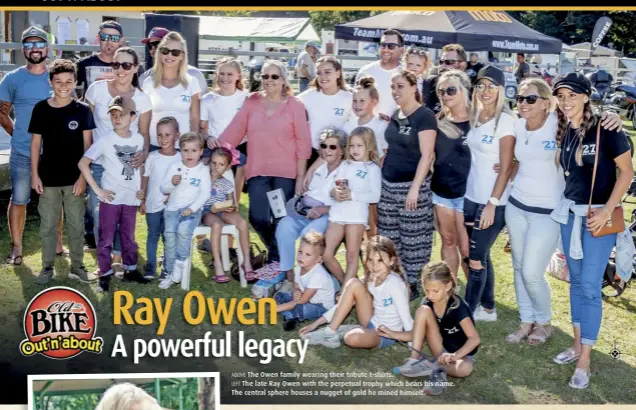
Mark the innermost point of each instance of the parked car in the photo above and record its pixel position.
(511, 89)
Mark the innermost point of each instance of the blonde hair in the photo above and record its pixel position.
(182, 74)
(500, 107)
(126, 396)
(367, 83)
(169, 121)
(417, 51)
(315, 239)
(368, 137)
(458, 79)
(287, 88)
(543, 88)
(191, 137)
(231, 61)
(440, 271)
(381, 244)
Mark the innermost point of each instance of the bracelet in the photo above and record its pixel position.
(608, 213)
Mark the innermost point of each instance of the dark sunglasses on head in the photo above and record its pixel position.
(331, 147)
(175, 52)
(30, 45)
(110, 37)
(447, 62)
(390, 46)
(531, 99)
(126, 66)
(273, 76)
(449, 90)
(154, 44)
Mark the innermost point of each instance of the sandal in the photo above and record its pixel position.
(566, 356)
(14, 260)
(580, 379)
(222, 278)
(540, 334)
(521, 334)
(249, 274)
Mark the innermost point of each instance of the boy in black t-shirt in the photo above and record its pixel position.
(62, 130)
(446, 323)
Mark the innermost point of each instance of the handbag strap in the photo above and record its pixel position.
(598, 143)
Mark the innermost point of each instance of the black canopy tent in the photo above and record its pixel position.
(475, 30)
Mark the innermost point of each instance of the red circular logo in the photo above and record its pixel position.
(60, 323)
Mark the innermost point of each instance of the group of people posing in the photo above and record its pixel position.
(370, 161)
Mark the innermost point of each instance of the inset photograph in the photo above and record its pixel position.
(125, 391)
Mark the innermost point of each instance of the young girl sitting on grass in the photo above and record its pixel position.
(356, 185)
(222, 190)
(446, 323)
(314, 289)
(381, 299)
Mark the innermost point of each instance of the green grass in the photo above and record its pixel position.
(504, 373)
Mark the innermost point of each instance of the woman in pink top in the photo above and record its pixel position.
(279, 145)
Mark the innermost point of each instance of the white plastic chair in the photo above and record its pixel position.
(225, 250)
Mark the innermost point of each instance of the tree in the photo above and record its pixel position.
(327, 20)
(206, 393)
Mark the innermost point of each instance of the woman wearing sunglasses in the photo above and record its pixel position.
(99, 95)
(537, 189)
(578, 149)
(311, 211)
(279, 145)
(173, 92)
(491, 141)
(451, 167)
(405, 210)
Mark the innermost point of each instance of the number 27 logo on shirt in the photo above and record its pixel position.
(487, 139)
(185, 98)
(405, 130)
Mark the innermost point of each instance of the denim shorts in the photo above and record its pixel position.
(467, 357)
(207, 210)
(20, 172)
(385, 342)
(456, 204)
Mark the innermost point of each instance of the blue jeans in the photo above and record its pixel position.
(260, 216)
(480, 287)
(586, 278)
(97, 171)
(20, 173)
(178, 236)
(156, 227)
(306, 311)
(533, 239)
(289, 229)
(303, 84)
(384, 341)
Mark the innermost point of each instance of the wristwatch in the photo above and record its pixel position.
(494, 201)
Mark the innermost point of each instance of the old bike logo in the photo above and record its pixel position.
(60, 323)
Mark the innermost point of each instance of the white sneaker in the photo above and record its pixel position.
(166, 283)
(325, 337)
(418, 368)
(481, 315)
(177, 271)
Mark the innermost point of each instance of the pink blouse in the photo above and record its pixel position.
(275, 143)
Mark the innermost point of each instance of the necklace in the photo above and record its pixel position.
(569, 144)
(529, 133)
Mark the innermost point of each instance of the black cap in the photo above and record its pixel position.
(113, 25)
(492, 73)
(576, 82)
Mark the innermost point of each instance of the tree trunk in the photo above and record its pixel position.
(206, 393)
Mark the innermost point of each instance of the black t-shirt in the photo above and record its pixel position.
(452, 163)
(429, 93)
(453, 336)
(472, 70)
(84, 64)
(579, 181)
(62, 130)
(403, 155)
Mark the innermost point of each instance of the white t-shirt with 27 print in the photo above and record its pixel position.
(483, 142)
(377, 125)
(171, 102)
(219, 110)
(326, 111)
(99, 96)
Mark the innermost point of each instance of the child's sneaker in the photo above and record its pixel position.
(418, 368)
(482, 315)
(134, 276)
(436, 383)
(167, 282)
(81, 275)
(45, 275)
(290, 324)
(103, 284)
(325, 337)
(163, 275)
(177, 271)
(150, 272)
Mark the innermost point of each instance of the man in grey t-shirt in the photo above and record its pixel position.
(306, 65)
(523, 69)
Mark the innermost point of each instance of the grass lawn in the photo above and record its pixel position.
(504, 373)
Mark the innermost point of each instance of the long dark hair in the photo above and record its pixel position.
(342, 84)
(412, 80)
(589, 120)
(131, 51)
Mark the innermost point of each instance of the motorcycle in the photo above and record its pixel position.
(613, 96)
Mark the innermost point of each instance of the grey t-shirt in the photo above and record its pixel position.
(305, 59)
(521, 69)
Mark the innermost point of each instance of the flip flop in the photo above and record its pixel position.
(14, 260)
(566, 356)
(223, 278)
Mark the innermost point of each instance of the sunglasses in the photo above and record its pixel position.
(447, 62)
(416, 50)
(273, 76)
(390, 46)
(175, 52)
(30, 45)
(110, 37)
(531, 99)
(154, 44)
(449, 90)
(126, 66)
(331, 147)
(482, 87)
